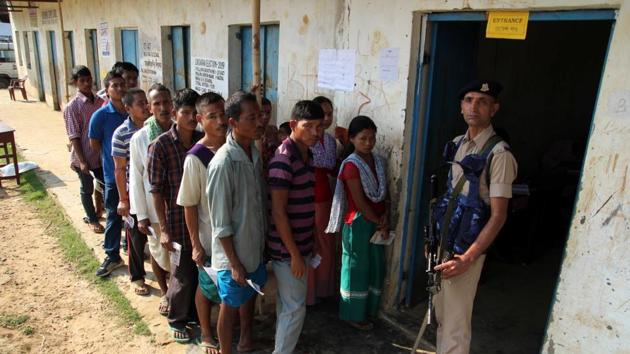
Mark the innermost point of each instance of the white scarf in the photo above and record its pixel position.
(374, 187)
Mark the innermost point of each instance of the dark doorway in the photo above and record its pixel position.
(551, 82)
(38, 66)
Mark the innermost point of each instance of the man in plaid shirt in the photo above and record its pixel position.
(83, 159)
(166, 167)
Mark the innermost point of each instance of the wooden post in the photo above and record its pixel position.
(65, 55)
(256, 49)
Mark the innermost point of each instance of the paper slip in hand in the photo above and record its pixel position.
(152, 232)
(255, 287)
(175, 255)
(129, 221)
(212, 273)
(378, 239)
(315, 261)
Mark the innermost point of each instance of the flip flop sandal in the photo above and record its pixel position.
(142, 290)
(163, 307)
(184, 337)
(205, 346)
(97, 228)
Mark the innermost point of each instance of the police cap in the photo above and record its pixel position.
(490, 88)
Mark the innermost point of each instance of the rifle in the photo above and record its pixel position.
(434, 253)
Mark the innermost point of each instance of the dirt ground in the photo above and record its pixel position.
(65, 314)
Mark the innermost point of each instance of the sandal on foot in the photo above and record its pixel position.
(180, 335)
(163, 307)
(97, 228)
(141, 289)
(209, 348)
(361, 326)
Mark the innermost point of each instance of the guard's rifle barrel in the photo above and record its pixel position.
(434, 251)
(433, 254)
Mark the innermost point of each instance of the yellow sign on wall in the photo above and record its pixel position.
(507, 24)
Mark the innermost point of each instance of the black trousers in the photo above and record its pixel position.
(181, 291)
(135, 248)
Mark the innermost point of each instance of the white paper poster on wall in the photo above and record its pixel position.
(209, 75)
(388, 64)
(336, 69)
(150, 60)
(103, 35)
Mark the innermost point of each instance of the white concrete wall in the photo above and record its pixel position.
(20, 22)
(591, 312)
(588, 314)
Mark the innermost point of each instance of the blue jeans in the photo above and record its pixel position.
(114, 223)
(87, 190)
(290, 306)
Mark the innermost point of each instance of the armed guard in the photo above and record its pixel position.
(471, 213)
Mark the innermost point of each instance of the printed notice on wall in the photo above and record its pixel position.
(209, 75)
(150, 61)
(336, 69)
(507, 24)
(388, 64)
(103, 35)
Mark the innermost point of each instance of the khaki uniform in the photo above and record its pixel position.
(454, 303)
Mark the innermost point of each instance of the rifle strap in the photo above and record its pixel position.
(488, 146)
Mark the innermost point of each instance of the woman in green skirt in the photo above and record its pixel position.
(360, 209)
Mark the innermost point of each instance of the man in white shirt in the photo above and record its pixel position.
(161, 106)
(192, 196)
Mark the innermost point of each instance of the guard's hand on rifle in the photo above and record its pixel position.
(459, 264)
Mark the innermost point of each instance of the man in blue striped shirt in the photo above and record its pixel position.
(137, 107)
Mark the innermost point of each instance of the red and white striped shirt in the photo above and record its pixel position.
(77, 116)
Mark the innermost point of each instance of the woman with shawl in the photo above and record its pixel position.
(360, 206)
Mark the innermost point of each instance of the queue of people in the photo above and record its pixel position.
(218, 192)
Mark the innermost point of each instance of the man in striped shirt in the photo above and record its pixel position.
(136, 105)
(290, 242)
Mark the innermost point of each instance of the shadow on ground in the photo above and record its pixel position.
(324, 333)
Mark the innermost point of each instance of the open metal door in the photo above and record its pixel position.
(448, 62)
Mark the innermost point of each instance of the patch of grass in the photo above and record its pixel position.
(76, 251)
(28, 330)
(12, 321)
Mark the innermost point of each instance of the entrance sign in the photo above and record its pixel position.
(507, 24)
